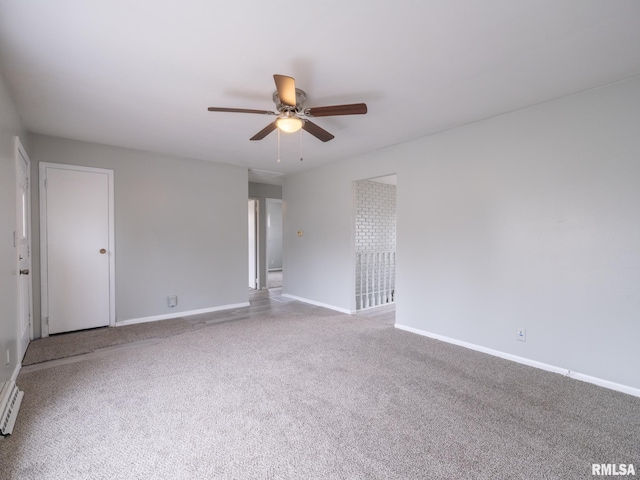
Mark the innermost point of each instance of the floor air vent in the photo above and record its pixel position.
(10, 400)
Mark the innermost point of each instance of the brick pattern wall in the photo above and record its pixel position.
(375, 217)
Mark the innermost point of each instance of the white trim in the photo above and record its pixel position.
(527, 361)
(604, 383)
(16, 372)
(132, 321)
(256, 243)
(111, 248)
(319, 304)
(376, 306)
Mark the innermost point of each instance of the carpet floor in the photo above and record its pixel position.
(293, 391)
(87, 341)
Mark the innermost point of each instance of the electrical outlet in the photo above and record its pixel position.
(521, 334)
(172, 300)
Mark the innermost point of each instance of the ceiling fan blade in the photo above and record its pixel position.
(286, 87)
(316, 131)
(351, 109)
(264, 132)
(240, 110)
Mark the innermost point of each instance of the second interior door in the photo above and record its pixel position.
(77, 248)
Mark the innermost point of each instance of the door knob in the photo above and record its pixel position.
(24, 272)
(103, 251)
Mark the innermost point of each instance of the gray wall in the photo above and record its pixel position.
(180, 226)
(261, 192)
(530, 220)
(10, 126)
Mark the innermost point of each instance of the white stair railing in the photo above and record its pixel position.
(375, 279)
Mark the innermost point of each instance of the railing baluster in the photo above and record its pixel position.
(393, 281)
(385, 280)
(381, 278)
(366, 281)
(389, 278)
(361, 281)
(375, 278)
(380, 282)
(358, 268)
(372, 271)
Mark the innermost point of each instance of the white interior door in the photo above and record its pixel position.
(253, 273)
(78, 247)
(23, 249)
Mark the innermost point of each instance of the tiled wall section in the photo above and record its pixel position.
(375, 217)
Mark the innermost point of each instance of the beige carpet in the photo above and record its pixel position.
(87, 341)
(306, 393)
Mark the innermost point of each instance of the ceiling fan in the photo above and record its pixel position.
(290, 108)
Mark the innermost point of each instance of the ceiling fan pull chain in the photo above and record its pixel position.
(301, 146)
(278, 145)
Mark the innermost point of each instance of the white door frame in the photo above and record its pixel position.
(43, 241)
(21, 156)
(253, 238)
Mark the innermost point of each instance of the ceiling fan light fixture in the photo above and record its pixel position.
(289, 124)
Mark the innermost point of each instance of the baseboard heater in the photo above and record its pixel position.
(10, 400)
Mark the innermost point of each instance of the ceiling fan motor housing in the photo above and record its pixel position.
(301, 97)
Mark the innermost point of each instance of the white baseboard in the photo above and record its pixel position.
(168, 316)
(604, 383)
(527, 361)
(375, 306)
(16, 372)
(318, 304)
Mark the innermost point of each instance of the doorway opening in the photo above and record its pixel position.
(268, 199)
(375, 241)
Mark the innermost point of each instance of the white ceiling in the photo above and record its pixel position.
(387, 179)
(141, 73)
